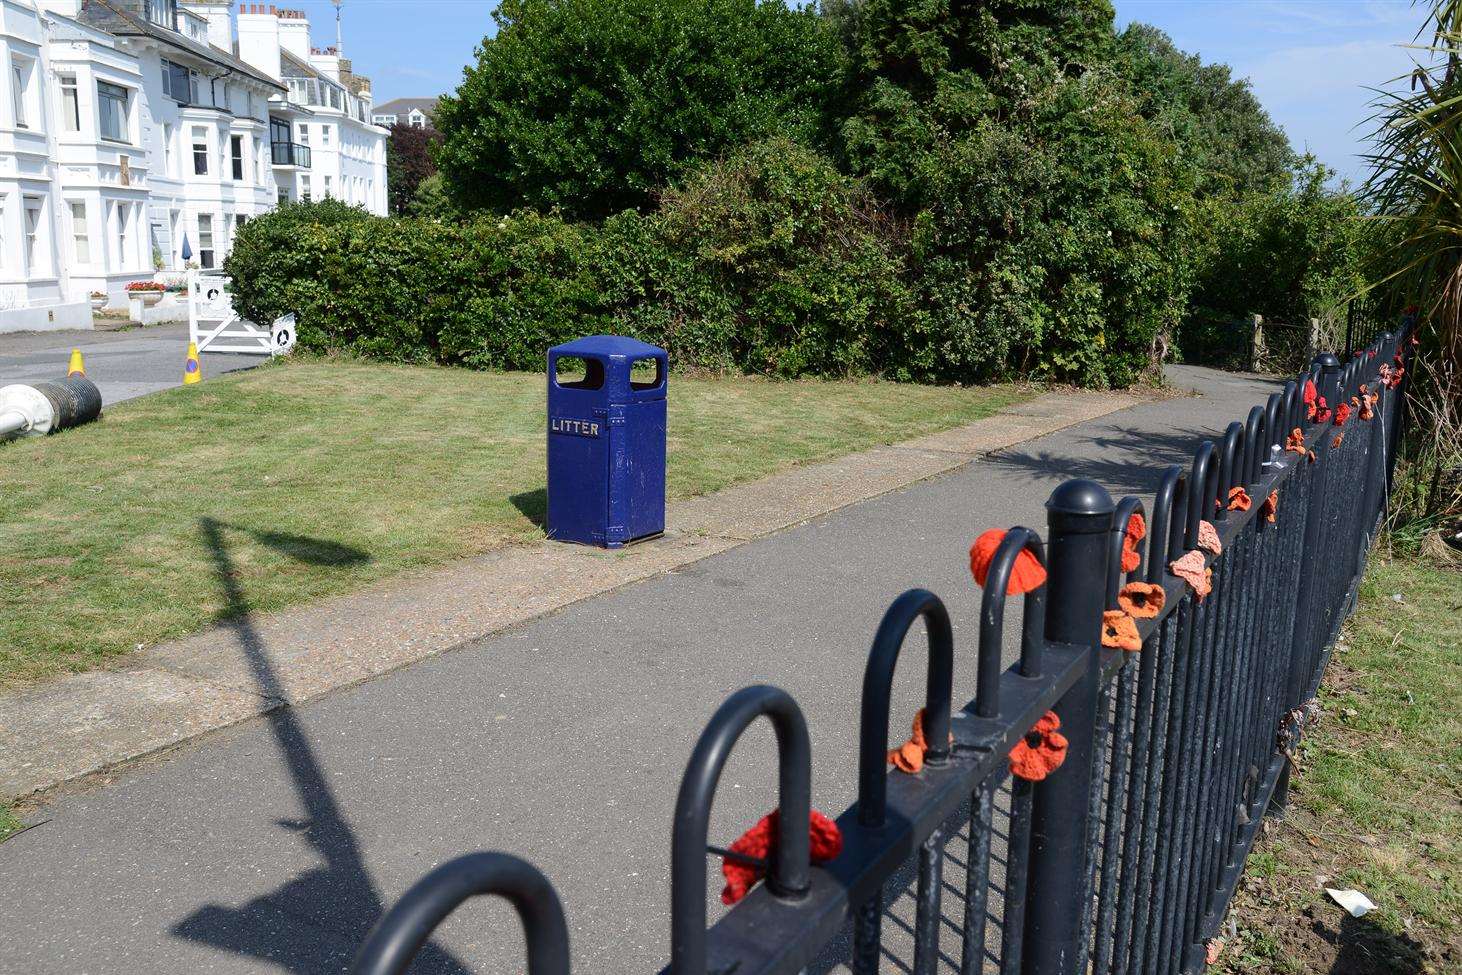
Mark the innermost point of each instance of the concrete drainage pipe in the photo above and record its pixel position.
(34, 411)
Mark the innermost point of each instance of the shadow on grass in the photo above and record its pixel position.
(533, 505)
(314, 921)
(1363, 947)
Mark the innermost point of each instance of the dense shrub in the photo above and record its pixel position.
(590, 106)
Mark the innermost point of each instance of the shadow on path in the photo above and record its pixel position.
(315, 921)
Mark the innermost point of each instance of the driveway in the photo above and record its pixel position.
(122, 364)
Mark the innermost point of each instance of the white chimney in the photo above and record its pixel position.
(294, 33)
(259, 38)
(220, 23)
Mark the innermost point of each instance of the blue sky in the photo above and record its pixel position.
(1309, 60)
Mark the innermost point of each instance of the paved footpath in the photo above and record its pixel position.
(122, 364)
(273, 845)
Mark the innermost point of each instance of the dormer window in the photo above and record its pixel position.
(179, 84)
(164, 13)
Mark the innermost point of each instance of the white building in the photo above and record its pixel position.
(135, 131)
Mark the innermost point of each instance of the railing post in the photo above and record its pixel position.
(1299, 644)
(1256, 342)
(1080, 517)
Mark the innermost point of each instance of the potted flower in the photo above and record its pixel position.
(149, 292)
(98, 300)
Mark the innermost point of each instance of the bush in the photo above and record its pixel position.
(590, 106)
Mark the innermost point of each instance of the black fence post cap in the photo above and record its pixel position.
(1327, 361)
(1076, 501)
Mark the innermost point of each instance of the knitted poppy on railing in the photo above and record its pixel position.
(1041, 751)
(1309, 397)
(1295, 442)
(1342, 413)
(1142, 600)
(1134, 532)
(1119, 631)
(1192, 570)
(1208, 538)
(909, 757)
(1270, 508)
(1239, 500)
(1025, 575)
(760, 844)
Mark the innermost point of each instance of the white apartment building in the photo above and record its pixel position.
(132, 133)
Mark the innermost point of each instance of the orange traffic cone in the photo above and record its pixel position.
(76, 368)
(192, 369)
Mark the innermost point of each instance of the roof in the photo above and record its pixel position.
(403, 106)
(125, 18)
(288, 60)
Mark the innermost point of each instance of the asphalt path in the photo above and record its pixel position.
(274, 845)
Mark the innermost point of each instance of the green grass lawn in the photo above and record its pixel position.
(365, 469)
(1377, 802)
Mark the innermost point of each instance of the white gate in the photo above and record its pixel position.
(216, 327)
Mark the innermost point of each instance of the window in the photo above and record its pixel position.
(80, 232)
(324, 135)
(169, 158)
(278, 130)
(70, 104)
(205, 239)
(283, 197)
(164, 12)
(304, 134)
(327, 186)
(20, 76)
(178, 83)
(33, 206)
(305, 187)
(112, 101)
(124, 234)
(236, 149)
(200, 150)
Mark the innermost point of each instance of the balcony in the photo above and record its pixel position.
(290, 154)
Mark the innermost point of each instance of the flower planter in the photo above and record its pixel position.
(149, 298)
(97, 304)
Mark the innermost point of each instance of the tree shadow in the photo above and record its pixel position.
(533, 505)
(1363, 947)
(315, 921)
(1125, 460)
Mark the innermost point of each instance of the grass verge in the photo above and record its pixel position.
(1376, 804)
(9, 825)
(329, 475)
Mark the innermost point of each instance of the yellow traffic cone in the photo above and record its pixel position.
(76, 368)
(192, 370)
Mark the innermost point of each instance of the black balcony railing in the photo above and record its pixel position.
(291, 154)
(1121, 861)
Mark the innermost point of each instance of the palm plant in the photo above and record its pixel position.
(1413, 196)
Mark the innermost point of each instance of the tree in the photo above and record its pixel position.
(591, 106)
(1220, 125)
(408, 151)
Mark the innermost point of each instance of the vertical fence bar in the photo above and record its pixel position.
(1080, 517)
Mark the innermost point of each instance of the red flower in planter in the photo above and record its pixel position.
(1025, 575)
(1142, 600)
(1041, 752)
(1135, 531)
(760, 842)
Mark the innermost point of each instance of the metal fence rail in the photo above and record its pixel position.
(1122, 860)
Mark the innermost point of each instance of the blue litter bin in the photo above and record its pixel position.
(606, 441)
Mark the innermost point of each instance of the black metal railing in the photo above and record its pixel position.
(290, 154)
(1122, 860)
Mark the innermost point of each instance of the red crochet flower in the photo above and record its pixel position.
(1342, 413)
(1239, 500)
(1135, 531)
(1270, 508)
(1119, 631)
(1192, 570)
(1309, 396)
(1339, 437)
(1208, 538)
(1041, 751)
(1295, 442)
(1142, 600)
(1320, 414)
(1025, 575)
(761, 842)
(909, 757)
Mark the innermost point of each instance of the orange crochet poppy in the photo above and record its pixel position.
(1295, 442)
(1342, 413)
(1025, 575)
(1119, 631)
(1142, 600)
(1270, 507)
(1208, 538)
(909, 757)
(1041, 751)
(1190, 568)
(1309, 397)
(1320, 414)
(1135, 531)
(1339, 437)
(1239, 500)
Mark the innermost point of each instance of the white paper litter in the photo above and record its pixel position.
(1358, 904)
